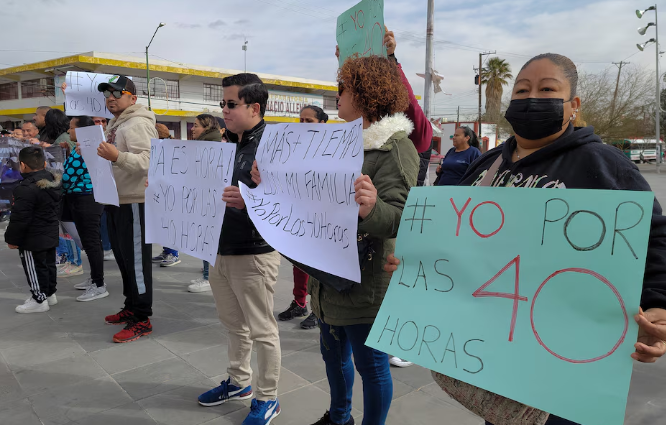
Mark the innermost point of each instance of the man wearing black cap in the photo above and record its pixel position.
(128, 147)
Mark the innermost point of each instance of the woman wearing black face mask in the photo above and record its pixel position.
(548, 152)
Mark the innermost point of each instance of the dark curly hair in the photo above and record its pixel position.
(375, 85)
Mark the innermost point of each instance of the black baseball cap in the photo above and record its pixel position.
(118, 82)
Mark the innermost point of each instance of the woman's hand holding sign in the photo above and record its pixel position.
(366, 195)
(651, 343)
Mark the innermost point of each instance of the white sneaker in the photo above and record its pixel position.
(108, 256)
(84, 285)
(32, 306)
(52, 300)
(70, 270)
(199, 285)
(93, 293)
(398, 362)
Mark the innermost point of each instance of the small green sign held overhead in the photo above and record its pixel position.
(361, 30)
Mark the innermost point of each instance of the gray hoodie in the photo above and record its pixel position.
(131, 133)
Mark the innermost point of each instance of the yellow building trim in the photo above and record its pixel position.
(25, 111)
(176, 113)
(41, 65)
(196, 72)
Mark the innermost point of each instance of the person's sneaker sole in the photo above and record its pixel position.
(170, 264)
(305, 326)
(198, 290)
(116, 340)
(65, 275)
(42, 310)
(115, 323)
(275, 415)
(96, 297)
(217, 403)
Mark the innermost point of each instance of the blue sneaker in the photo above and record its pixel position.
(225, 392)
(262, 412)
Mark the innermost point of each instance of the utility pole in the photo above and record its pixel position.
(430, 32)
(617, 85)
(481, 55)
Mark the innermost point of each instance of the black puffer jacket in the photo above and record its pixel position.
(239, 236)
(33, 224)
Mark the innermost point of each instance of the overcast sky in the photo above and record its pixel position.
(297, 37)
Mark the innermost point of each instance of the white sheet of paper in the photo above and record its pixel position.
(100, 169)
(184, 207)
(82, 97)
(304, 206)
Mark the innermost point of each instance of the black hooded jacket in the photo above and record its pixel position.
(239, 236)
(33, 224)
(579, 160)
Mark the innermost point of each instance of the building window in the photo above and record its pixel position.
(212, 93)
(43, 87)
(9, 91)
(330, 102)
(157, 88)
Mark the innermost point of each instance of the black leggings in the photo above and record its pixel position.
(86, 214)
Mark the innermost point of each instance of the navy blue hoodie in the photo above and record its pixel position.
(579, 160)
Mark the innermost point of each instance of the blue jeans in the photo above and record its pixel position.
(106, 243)
(69, 248)
(205, 270)
(337, 345)
(553, 420)
(170, 251)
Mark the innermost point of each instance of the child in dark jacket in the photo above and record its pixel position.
(33, 228)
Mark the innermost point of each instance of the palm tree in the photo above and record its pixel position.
(495, 76)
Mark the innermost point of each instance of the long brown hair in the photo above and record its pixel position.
(208, 122)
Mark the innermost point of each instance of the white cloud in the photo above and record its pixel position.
(297, 37)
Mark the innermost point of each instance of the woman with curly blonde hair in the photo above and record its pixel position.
(369, 88)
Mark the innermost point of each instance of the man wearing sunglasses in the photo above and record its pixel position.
(243, 279)
(128, 147)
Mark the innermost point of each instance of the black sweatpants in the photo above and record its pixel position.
(127, 232)
(40, 269)
(86, 214)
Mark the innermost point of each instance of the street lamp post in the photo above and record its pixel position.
(655, 40)
(148, 66)
(245, 52)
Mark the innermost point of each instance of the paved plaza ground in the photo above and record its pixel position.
(61, 368)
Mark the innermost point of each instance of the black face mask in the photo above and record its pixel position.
(535, 118)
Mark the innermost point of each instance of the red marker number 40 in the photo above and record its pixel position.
(516, 297)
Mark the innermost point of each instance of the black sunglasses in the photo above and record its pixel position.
(231, 104)
(116, 93)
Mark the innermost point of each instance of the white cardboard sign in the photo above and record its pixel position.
(100, 169)
(184, 207)
(305, 206)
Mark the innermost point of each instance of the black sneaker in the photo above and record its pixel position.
(293, 312)
(310, 322)
(326, 420)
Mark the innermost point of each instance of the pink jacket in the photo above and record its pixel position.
(422, 134)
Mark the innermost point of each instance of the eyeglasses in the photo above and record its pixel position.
(341, 88)
(231, 104)
(116, 93)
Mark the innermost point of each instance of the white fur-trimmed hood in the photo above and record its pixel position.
(376, 136)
